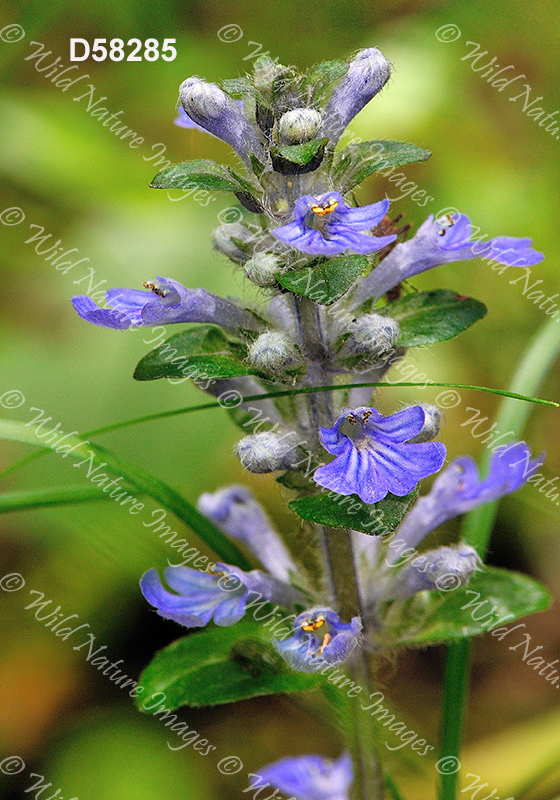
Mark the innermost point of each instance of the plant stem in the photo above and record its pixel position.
(342, 573)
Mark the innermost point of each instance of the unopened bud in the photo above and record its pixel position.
(444, 569)
(266, 452)
(372, 338)
(262, 268)
(299, 125)
(273, 352)
(367, 73)
(212, 109)
(228, 239)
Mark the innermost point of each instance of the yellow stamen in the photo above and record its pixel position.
(321, 211)
(314, 624)
(154, 289)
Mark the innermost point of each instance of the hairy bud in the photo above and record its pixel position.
(267, 452)
(371, 340)
(262, 268)
(273, 352)
(299, 125)
(212, 109)
(223, 241)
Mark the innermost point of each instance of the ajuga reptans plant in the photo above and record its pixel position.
(336, 312)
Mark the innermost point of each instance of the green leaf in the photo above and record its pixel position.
(200, 174)
(220, 665)
(56, 496)
(145, 482)
(237, 87)
(429, 317)
(297, 159)
(351, 512)
(301, 153)
(324, 281)
(432, 617)
(203, 353)
(320, 78)
(356, 162)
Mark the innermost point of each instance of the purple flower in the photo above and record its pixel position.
(221, 595)
(182, 120)
(374, 455)
(458, 489)
(367, 75)
(311, 777)
(319, 638)
(212, 109)
(325, 226)
(166, 301)
(237, 513)
(441, 241)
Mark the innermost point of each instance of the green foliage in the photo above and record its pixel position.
(297, 159)
(351, 512)
(357, 161)
(434, 617)
(324, 281)
(200, 174)
(203, 352)
(220, 665)
(430, 317)
(320, 78)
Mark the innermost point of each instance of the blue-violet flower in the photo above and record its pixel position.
(311, 777)
(166, 301)
(374, 455)
(221, 595)
(441, 241)
(319, 638)
(325, 226)
(458, 489)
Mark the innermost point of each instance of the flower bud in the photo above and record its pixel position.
(212, 109)
(443, 569)
(299, 125)
(367, 75)
(262, 268)
(273, 352)
(222, 241)
(267, 452)
(432, 423)
(371, 341)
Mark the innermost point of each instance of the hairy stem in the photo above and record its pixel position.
(342, 572)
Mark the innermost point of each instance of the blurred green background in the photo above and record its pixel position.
(72, 176)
